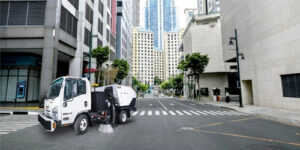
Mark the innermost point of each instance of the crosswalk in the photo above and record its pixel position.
(12, 123)
(187, 113)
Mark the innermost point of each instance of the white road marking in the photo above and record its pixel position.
(150, 104)
(171, 104)
(178, 112)
(187, 113)
(201, 112)
(157, 113)
(164, 113)
(194, 113)
(209, 112)
(223, 112)
(7, 130)
(172, 113)
(162, 105)
(136, 112)
(142, 113)
(150, 113)
(4, 133)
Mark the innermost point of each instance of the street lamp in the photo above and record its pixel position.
(90, 50)
(238, 62)
(108, 81)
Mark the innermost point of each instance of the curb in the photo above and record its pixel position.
(18, 113)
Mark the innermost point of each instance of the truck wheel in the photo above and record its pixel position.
(81, 124)
(122, 117)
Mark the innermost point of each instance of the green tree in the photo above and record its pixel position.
(166, 85)
(196, 64)
(143, 87)
(157, 80)
(123, 67)
(101, 54)
(135, 83)
(178, 84)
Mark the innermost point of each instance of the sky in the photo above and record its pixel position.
(180, 4)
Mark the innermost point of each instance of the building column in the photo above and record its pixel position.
(50, 53)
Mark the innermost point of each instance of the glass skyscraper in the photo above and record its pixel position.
(160, 16)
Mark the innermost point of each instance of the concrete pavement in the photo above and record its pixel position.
(284, 116)
(167, 131)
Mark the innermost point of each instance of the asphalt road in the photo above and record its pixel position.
(160, 124)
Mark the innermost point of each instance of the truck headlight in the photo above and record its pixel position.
(55, 113)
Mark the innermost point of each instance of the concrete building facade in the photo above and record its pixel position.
(142, 46)
(270, 71)
(136, 13)
(158, 64)
(172, 41)
(124, 26)
(189, 14)
(47, 39)
(204, 35)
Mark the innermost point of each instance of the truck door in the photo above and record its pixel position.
(75, 100)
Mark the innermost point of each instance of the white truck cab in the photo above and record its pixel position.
(69, 102)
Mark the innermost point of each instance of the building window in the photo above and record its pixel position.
(100, 9)
(22, 13)
(87, 37)
(107, 35)
(74, 3)
(89, 14)
(68, 22)
(119, 3)
(291, 85)
(99, 42)
(100, 26)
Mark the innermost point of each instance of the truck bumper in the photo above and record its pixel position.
(49, 124)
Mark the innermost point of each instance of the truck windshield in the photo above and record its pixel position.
(54, 89)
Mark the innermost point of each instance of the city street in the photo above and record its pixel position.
(158, 123)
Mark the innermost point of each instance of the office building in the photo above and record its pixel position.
(44, 40)
(189, 13)
(270, 70)
(142, 46)
(136, 13)
(124, 26)
(203, 35)
(172, 41)
(158, 64)
(160, 16)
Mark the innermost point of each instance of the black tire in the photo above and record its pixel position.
(81, 124)
(122, 117)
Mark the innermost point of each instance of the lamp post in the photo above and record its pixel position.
(108, 79)
(238, 63)
(90, 50)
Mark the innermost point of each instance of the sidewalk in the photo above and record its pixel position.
(283, 116)
(20, 109)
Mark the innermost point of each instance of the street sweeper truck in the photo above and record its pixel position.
(70, 101)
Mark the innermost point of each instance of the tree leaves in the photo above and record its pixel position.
(123, 67)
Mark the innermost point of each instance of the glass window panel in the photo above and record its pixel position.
(17, 13)
(11, 89)
(3, 86)
(36, 13)
(13, 72)
(3, 13)
(23, 72)
(4, 72)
